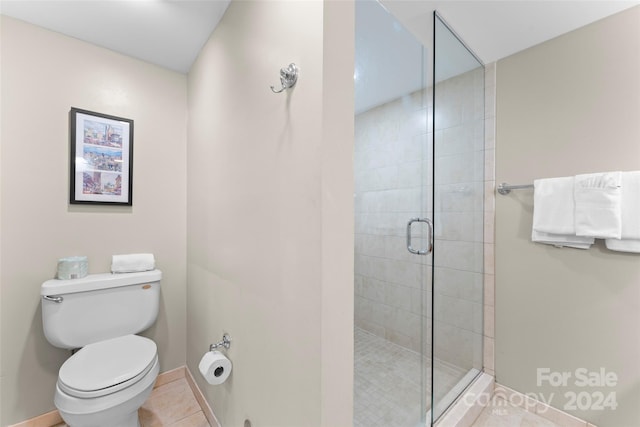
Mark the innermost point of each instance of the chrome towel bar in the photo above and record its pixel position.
(505, 188)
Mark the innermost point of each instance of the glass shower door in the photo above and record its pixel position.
(418, 162)
(392, 172)
(458, 119)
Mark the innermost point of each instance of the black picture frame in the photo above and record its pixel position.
(101, 158)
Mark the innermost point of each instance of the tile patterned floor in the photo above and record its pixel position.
(387, 386)
(388, 391)
(501, 413)
(171, 405)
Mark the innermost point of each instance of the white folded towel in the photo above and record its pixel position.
(562, 240)
(597, 205)
(553, 214)
(630, 215)
(131, 263)
(553, 207)
(623, 245)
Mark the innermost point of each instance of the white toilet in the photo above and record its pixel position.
(110, 377)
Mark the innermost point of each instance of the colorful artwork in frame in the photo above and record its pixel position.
(101, 159)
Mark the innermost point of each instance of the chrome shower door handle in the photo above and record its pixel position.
(430, 240)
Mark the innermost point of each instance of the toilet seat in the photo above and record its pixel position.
(108, 366)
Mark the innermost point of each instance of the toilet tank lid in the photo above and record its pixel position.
(93, 282)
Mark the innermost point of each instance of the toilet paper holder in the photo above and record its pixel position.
(226, 343)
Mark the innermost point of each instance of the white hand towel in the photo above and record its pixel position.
(597, 201)
(131, 263)
(562, 240)
(553, 207)
(623, 245)
(553, 214)
(630, 215)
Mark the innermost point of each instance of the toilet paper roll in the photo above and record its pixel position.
(215, 367)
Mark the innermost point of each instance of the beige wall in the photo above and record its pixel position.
(44, 74)
(568, 106)
(1, 108)
(270, 234)
(336, 371)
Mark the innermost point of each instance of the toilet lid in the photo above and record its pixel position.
(107, 363)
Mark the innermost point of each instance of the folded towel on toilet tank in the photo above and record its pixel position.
(131, 263)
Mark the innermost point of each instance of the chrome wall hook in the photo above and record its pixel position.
(288, 77)
(226, 343)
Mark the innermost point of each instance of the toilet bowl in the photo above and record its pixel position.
(105, 383)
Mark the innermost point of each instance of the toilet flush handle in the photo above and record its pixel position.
(54, 298)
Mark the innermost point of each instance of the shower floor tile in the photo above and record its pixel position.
(387, 384)
(389, 381)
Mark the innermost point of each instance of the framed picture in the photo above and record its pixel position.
(101, 159)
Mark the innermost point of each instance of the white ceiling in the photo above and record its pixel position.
(171, 33)
(167, 33)
(388, 51)
(499, 28)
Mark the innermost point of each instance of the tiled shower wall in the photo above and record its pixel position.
(489, 217)
(393, 183)
(459, 213)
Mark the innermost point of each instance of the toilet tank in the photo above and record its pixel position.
(97, 307)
